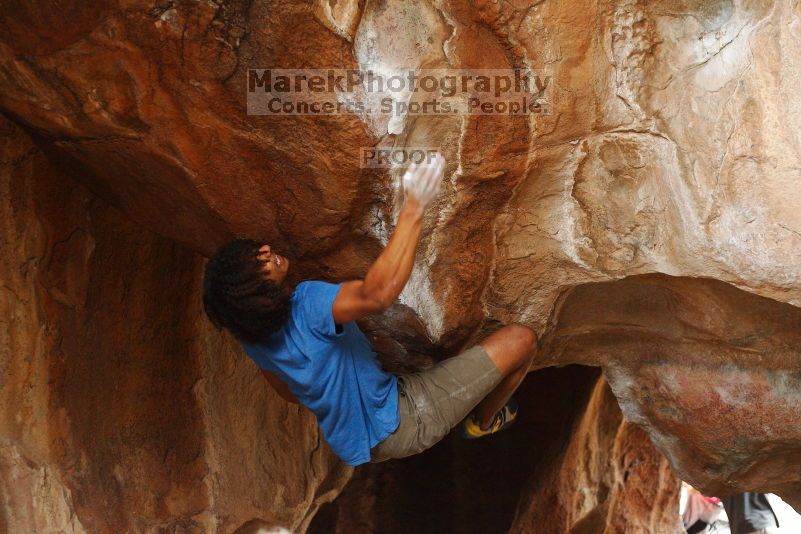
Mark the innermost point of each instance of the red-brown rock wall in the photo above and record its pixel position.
(608, 479)
(123, 409)
(650, 225)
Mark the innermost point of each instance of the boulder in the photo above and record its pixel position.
(123, 410)
(649, 225)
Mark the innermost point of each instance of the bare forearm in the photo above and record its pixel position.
(388, 275)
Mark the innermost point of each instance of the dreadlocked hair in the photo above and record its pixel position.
(238, 297)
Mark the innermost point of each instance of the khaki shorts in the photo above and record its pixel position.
(434, 401)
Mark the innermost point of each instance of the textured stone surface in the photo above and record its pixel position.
(609, 478)
(122, 409)
(710, 371)
(673, 148)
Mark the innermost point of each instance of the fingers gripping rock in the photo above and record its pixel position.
(422, 181)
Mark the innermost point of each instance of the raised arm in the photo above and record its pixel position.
(387, 277)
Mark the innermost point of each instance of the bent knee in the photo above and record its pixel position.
(523, 336)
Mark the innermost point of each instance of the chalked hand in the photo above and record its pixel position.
(421, 181)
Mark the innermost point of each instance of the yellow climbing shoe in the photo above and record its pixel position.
(471, 429)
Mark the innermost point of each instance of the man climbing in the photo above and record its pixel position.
(311, 351)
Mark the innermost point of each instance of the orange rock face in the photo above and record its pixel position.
(650, 226)
(122, 409)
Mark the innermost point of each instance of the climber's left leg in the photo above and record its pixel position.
(512, 349)
(434, 401)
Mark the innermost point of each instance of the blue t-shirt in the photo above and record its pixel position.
(335, 374)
